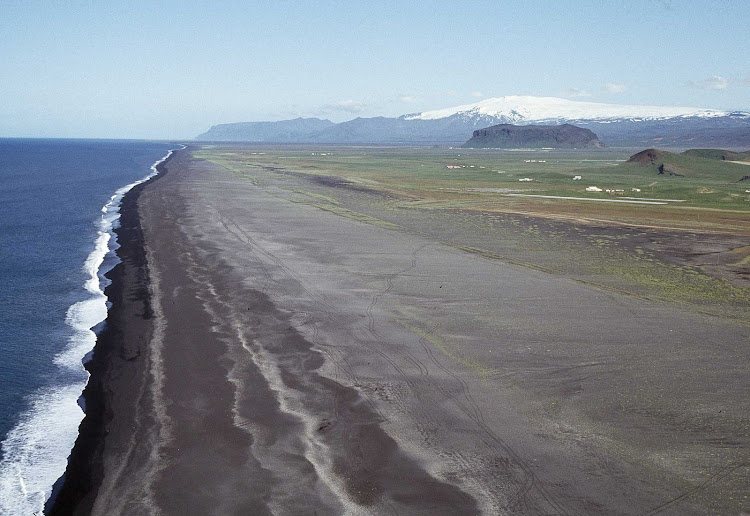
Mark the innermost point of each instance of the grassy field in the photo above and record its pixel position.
(713, 198)
(648, 250)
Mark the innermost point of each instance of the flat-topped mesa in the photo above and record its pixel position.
(552, 136)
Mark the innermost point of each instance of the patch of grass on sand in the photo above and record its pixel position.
(228, 162)
(481, 370)
(463, 192)
(480, 179)
(320, 197)
(742, 255)
(495, 256)
(678, 284)
(354, 215)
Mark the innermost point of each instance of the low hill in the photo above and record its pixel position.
(690, 164)
(649, 157)
(721, 154)
(505, 136)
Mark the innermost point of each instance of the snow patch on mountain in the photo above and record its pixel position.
(518, 108)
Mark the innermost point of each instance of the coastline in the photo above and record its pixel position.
(128, 293)
(273, 357)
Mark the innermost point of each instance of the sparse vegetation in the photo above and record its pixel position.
(718, 154)
(460, 197)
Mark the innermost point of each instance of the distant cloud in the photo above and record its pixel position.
(715, 82)
(347, 106)
(477, 94)
(407, 99)
(575, 93)
(612, 87)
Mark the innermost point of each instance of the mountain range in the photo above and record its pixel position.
(615, 124)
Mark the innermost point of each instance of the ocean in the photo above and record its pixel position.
(59, 202)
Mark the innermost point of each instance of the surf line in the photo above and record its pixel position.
(35, 460)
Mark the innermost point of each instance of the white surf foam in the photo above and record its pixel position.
(36, 450)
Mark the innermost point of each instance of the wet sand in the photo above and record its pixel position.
(116, 396)
(288, 360)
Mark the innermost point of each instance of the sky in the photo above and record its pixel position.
(133, 69)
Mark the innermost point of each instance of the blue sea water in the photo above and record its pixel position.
(59, 201)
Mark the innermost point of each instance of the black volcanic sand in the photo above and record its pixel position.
(289, 360)
(115, 395)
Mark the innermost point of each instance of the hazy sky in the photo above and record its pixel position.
(133, 70)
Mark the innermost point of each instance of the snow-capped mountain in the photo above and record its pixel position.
(516, 109)
(614, 124)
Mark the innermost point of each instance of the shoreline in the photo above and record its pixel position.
(265, 356)
(75, 491)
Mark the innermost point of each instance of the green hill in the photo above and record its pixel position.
(719, 154)
(689, 165)
(659, 174)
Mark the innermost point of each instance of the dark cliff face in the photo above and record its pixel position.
(554, 136)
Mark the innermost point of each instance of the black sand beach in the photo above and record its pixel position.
(264, 356)
(114, 395)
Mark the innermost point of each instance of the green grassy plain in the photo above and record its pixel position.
(719, 154)
(714, 199)
(638, 249)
